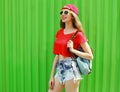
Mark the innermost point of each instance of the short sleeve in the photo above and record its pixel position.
(80, 37)
(58, 33)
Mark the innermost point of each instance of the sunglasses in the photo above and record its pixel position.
(64, 12)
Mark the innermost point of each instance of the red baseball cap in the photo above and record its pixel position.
(72, 8)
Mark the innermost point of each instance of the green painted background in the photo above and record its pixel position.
(27, 33)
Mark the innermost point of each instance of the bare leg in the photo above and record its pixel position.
(58, 87)
(72, 86)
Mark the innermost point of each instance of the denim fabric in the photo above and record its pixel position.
(67, 70)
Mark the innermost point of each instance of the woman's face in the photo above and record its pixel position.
(66, 15)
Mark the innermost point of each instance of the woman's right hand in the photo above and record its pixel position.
(51, 83)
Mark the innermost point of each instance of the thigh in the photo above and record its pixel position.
(58, 87)
(72, 86)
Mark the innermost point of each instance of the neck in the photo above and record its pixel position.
(68, 25)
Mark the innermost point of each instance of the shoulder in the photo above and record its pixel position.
(60, 31)
(80, 34)
(80, 37)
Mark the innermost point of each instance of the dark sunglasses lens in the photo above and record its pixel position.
(66, 12)
(61, 12)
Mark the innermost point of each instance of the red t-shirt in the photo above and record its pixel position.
(60, 44)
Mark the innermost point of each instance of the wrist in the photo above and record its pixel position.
(52, 75)
(72, 50)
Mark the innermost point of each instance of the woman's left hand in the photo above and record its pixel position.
(70, 45)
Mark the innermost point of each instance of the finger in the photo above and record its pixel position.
(52, 85)
(71, 41)
(68, 42)
(68, 45)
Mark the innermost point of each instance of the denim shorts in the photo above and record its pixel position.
(67, 70)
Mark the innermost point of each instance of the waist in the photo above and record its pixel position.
(61, 57)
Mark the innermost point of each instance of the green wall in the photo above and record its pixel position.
(27, 33)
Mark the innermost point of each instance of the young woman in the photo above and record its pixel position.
(68, 75)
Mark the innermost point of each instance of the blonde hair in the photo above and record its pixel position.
(75, 21)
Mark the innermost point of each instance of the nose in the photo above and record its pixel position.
(62, 14)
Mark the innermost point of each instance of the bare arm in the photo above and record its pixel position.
(52, 81)
(54, 65)
(87, 51)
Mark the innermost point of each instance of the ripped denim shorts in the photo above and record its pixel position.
(66, 70)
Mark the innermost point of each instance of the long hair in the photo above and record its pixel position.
(75, 22)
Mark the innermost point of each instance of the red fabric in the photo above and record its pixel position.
(60, 44)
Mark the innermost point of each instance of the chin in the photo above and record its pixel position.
(63, 21)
